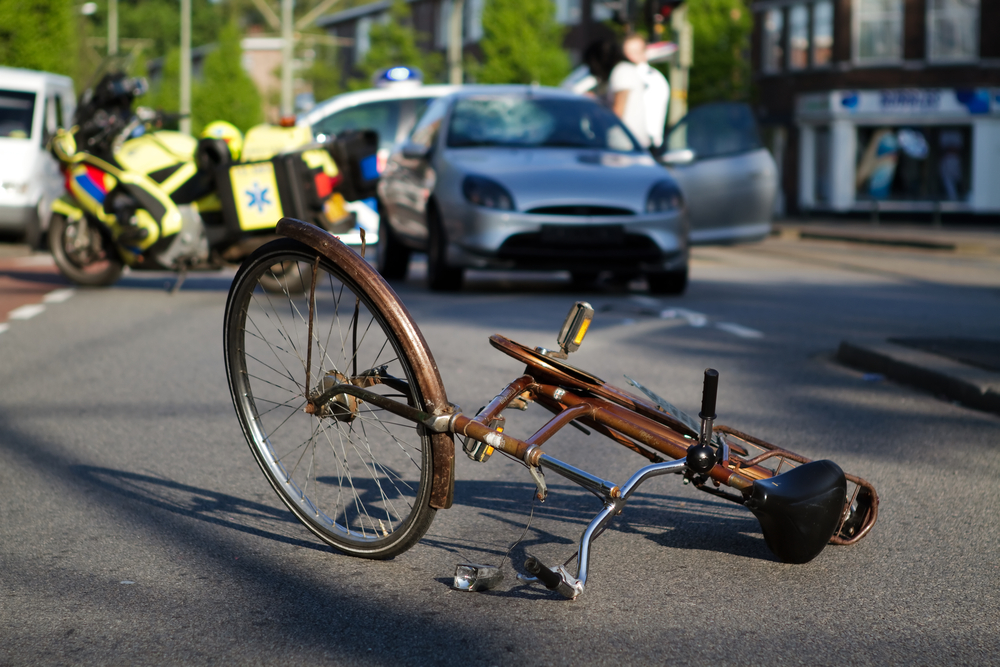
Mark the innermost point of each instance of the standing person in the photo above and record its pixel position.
(657, 97)
(627, 88)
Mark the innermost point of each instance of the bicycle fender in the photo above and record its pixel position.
(410, 337)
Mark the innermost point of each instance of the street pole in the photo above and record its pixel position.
(455, 42)
(112, 27)
(287, 52)
(680, 69)
(185, 110)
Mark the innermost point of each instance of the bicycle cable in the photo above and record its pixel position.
(531, 514)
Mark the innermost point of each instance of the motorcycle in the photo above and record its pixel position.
(148, 198)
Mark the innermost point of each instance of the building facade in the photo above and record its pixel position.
(881, 105)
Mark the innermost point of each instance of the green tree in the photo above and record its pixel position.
(324, 75)
(225, 91)
(394, 42)
(721, 68)
(38, 34)
(522, 43)
(166, 96)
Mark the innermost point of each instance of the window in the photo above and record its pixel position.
(361, 41)
(568, 12)
(878, 31)
(822, 34)
(924, 163)
(798, 37)
(474, 20)
(534, 122)
(383, 117)
(16, 112)
(952, 30)
(716, 130)
(773, 53)
(426, 131)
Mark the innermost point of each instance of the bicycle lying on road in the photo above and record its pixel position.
(344, 409)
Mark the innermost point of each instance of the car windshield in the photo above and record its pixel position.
(519, 121)
(16, 110)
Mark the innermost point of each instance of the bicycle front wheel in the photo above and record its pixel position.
(354, 474)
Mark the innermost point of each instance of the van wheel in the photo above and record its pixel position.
(82, 253)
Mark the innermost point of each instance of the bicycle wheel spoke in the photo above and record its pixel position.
(357, 475)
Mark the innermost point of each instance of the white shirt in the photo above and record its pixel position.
(657, 97)
(626, 76)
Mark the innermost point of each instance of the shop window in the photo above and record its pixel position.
(822, 34)
(914, 163)
(952, 30)
(798, 37)
(878, 31)
(771, 43)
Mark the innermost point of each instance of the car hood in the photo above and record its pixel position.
(560, 176)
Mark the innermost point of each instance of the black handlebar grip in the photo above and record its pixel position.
(545, 575)
(708, 393)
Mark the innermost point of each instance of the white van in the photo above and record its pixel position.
(32, 106)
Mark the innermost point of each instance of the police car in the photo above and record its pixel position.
(391, 108)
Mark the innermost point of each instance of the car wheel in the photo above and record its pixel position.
(440, 276)
(393, 256)
(668, 282)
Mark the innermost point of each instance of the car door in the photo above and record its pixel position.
(728, 178)
(409, 177)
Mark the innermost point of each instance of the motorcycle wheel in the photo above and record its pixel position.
(82, 253)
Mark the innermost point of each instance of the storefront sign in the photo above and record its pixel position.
(950, 102)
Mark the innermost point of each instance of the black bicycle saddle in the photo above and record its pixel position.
(799, 510)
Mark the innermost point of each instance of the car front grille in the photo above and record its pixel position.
(569, 246)
(592, 211)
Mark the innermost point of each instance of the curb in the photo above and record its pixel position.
(971, 386)
(982, 243)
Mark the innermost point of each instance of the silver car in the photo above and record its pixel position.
(728, 177)
(526, 177)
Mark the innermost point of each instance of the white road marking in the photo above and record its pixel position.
(26, 312)
(4, 327)
(693, 318)
(59, 295)
(739, 330)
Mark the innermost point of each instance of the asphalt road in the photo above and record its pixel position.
(135, 527)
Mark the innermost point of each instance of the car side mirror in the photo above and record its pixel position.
(678, 157)
(414, 151)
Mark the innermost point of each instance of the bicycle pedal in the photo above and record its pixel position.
(480, 451)
(471, 577)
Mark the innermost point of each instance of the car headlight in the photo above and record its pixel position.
(486, 193)
(664, 196)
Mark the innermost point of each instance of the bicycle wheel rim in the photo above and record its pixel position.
(358, 477)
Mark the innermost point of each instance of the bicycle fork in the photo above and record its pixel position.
(559, 578)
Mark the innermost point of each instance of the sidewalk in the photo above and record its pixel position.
(973, 240)
(961, 370)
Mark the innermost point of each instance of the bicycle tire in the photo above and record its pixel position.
(360, 483)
